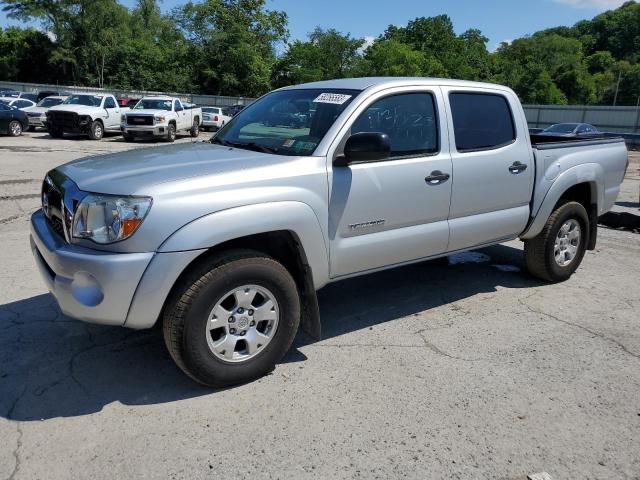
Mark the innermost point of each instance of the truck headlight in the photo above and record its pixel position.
(159, 118)
(109, 218)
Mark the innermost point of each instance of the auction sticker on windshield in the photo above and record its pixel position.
(336, 98)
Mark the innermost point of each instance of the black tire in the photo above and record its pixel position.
(539, 252)
(171, 133)
(187, 310)
(195, 129)
(128, 138)
(96, 131)
(15, 128)
(56, 133)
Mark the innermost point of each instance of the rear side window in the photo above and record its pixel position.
(481, 121)
(109, 103)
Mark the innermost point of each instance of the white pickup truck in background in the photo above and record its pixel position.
(160, 117)
(86, 114)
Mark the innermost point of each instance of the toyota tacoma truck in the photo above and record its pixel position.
(160, 117)
(226, 242)
(85, 113)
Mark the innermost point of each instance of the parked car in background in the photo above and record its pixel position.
(570, 130)
(19, 103)
(29, 96)
(9, 93)
(37, 114)
(12, 120)
(235, 109)
(49, 93)
(125, 101)
(160, 117)
(227, 242)
(86, 114)
(214, 118)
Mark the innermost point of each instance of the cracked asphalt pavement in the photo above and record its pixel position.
(466, 368)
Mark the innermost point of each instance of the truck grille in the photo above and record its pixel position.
(66, 120)
(52, 206)
(139, 120)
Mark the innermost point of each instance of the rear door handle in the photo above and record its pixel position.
(436, 178)
(517, 167)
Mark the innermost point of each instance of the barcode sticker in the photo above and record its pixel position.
(336, 98)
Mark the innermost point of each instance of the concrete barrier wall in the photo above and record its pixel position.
(213, 100)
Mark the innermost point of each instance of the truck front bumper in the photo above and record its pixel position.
(89, 285)
(145, 131)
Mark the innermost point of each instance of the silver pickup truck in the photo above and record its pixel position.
(226, 242)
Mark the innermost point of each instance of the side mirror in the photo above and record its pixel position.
(365, 147)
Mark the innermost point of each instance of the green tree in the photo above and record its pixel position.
(327, 54)
(389, 58)
(232, 43)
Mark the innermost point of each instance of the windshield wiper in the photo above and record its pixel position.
(249, 146)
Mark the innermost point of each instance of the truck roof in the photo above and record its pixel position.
(363, 83)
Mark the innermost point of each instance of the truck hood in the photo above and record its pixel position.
(79, 109)
(148, 112)
(136, 171)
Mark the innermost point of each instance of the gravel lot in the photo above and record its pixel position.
(459, 369)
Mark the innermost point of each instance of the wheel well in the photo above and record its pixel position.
(585, 194)
(197, 119)
(285, 247)
(172, 122)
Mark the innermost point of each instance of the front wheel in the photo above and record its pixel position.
(232, 319)
(15, 128)
(171, 133)
(96, 131)
(556, 252)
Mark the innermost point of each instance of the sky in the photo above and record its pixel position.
(499, 20)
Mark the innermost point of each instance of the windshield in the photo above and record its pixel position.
(286, 122)
(562, 128)
(88, 100)
(154, 104)
(50, 102)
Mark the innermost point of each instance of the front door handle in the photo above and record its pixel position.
(436, 178)
(517, 167)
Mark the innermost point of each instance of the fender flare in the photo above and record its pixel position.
(590, 173)
(216, 228)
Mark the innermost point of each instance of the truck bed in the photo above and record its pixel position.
(545, 142)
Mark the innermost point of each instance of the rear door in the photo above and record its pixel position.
(492, 166)
(383, 213)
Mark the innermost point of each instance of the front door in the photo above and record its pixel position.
(383, 213)
(492, 167)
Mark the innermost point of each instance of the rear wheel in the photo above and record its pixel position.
(195, 129)
(232, 319)
(96, 131)
(558, 250)
(15, 128)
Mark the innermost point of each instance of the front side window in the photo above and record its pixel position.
(87, 100)
(286, 122)
(481, 121)
(409, 119)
